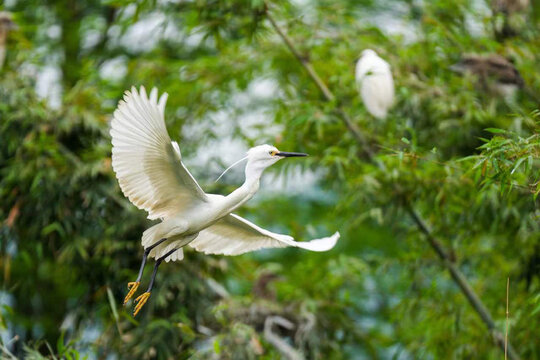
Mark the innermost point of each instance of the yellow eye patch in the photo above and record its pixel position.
(273, 152)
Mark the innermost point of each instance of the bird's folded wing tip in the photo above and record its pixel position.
(332, 240)
(323, 244)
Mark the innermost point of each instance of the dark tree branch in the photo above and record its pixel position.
(461, 281)
(328, 95)
(70, 12)
(284, 348)
(109, 15)
(455, 273)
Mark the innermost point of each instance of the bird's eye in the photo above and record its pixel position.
(273, 152)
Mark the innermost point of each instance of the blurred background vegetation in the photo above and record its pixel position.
(464, 158)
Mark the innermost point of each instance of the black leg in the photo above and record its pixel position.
(141, 300)
(145, 256)
(158, 262)
(133, 286)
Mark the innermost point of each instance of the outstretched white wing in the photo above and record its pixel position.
(234, 235)
(147, 164)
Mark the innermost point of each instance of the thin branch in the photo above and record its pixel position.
(284, 348)
(328, 95)
(461, 281)
(455, 273)
(4, 348)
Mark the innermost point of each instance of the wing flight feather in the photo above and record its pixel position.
(147, 164)
(234, 235)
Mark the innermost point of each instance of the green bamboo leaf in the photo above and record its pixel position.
(495, 131)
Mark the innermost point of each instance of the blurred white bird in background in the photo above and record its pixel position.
(375, 83)
(151, 174)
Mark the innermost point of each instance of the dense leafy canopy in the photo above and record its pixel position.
(464, 157)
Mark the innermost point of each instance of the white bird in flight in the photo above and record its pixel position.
(375, 83)
(151, 174)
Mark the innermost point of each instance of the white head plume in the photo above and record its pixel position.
(230, 167)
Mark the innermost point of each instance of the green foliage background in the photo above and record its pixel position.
(466, 159)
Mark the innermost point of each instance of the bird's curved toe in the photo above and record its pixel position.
(141, 300)
(132, 287)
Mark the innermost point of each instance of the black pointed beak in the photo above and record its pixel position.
(290, 154)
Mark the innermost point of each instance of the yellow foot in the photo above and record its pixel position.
(141, 300)
(132, 287)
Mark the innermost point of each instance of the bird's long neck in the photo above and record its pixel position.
(245, 192)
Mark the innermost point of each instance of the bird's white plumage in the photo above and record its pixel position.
(151, 174)
(375, 83)
(148, 166)
(234, 235)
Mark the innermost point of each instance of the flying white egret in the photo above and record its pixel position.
(375, 83)
(151, 174)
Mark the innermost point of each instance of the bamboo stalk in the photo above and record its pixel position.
(455, 273)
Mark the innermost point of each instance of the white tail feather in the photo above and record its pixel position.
(149, 236)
